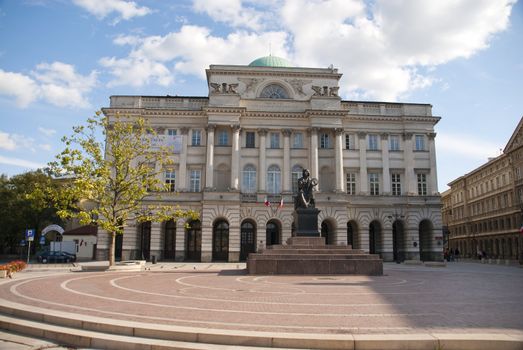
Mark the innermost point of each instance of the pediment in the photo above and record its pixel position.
(516, 140)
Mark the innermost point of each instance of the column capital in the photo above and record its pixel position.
(211, 127)
(313, 130)
(384, 136)
(431, 135)
(338, 131)
(362, 134)
(184, 130)
(262, 132)
(407, 135)
(236, 127)
(286, 132)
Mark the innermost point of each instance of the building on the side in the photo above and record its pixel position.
(249, 140)
(482, 209)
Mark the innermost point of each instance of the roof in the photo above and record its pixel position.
(270, 61)
(87, 230)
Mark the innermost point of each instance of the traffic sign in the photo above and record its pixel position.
(42, 240)
(30, 234)
(22, 242)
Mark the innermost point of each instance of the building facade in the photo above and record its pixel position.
(482, 209)
(245, 145)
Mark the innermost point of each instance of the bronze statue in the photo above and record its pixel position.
(305, 197)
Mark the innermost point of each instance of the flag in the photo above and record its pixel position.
(267, 203)
(281, 203)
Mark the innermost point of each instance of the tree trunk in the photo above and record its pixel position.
(112, 246)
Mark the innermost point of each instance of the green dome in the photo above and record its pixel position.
(270, 61)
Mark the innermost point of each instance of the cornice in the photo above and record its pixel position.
(242, 73)
(333, 113)
(274, 115)
(227, 110)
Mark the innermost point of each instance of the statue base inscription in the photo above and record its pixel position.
(306, 222)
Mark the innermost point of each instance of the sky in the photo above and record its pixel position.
(61, 60)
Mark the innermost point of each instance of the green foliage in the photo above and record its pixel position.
(20, 210)
(110, 182)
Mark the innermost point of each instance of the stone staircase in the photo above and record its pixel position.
(311, 256)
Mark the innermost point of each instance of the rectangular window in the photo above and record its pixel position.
(297, 140)
(396, 184)
(374, 184)
(349, 141)
(196, 137)
(373, 142)
(195, 181)
(420, 143)
(170, 178)
(249, 179)
(351, 183)
(394, 143)
(250, 138)
(275, 140)
(295, 175)
(223, 138)
(171, 132)
(422, 184)
(325, 141)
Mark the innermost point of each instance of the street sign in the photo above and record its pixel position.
(42, 240)
(30, 234)
(22, 242)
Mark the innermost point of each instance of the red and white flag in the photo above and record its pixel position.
(266, 202)
(281, 203)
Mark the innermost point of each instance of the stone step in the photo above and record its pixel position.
(366, 257)
(301, 246)
(314, 251)
(299, 266)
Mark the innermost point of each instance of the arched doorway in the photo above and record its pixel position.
(374, 237)
(220, 241)
(327, 231)
(145, 240)
(272, 233)
(169, 240)
(425, 239)
(193, 241)
(398, 233)
(247, 239)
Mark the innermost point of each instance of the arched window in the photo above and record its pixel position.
(295, 175)
(274, 179)
(249, 179)
(274, 91)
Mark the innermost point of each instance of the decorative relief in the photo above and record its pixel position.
(325, 91)
(297, 85)
(250, 83)
(223, 88)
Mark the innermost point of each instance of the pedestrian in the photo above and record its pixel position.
(456, 254)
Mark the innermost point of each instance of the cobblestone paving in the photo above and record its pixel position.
(462, 297)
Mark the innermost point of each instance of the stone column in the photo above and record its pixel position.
(433, 177)
(235, 158)
(182, 183)
(410, 181)
(314, 155)
(286, 161)
(364, 181)
(209, 171)
(338, 166)
(385, 163)
(262, 167)
(180, 240)
(156, 240)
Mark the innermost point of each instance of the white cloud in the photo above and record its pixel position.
(28, 164)
(231, 12)
(24, 89)
(46, 147)
(46, 131)
(190, 50)
(102, 8)
(57, 83)
(11, 142)
(6, 141)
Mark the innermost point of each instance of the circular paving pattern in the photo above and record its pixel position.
(406, 299)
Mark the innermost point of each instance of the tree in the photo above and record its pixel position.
(20, 211)
(120, 176)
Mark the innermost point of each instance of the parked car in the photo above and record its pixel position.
(48, 257)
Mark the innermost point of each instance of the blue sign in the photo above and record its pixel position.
(22, 242)
(42, 240)
(30, 234)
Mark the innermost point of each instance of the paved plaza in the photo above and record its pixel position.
(469, 298)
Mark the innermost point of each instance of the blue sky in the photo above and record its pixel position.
(61, 60)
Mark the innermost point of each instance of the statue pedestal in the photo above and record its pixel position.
(306, 222)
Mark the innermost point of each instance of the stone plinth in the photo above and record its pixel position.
(310, 256)
(306, 222)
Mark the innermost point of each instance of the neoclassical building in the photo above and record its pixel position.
(482, 210)
(245, 145)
